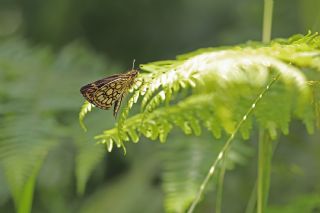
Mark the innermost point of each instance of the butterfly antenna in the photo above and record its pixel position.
(134, 60)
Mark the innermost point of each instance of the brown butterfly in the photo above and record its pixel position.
(110, 90)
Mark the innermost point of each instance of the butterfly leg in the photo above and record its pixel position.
(117, 105)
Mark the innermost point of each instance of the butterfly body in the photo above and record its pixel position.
(105, 92)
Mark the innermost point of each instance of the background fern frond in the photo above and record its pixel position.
(185, 160)
(87, 158)
(37, 112)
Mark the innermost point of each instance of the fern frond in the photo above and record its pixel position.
(184, 163)
(223, 83)
(315, 87)
(15, 149)
(85, 109)
(36, 115)
(224, 90)
(215, 112)
(88, 156)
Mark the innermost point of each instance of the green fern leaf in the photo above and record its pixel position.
(85, 109)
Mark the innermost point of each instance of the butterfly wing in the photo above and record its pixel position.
(89, 90)
(103, 93)
(108, 91)
(106, 95)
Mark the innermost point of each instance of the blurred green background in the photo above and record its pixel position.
(50, 48)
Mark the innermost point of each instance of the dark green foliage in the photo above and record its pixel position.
(38, 100)
(303, 203)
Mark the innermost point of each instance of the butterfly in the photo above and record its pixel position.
(105, 92)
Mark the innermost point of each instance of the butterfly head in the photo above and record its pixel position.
(133, 73)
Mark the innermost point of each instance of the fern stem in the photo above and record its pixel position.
(264, 165)
(267, 21)
(227, 145)
(220, 186)
(253, 197)
(252, 200)
(265, 145)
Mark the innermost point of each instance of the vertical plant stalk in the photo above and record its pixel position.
(267, 21)
(266, 37)
(251, 206)
(264, 169)
(265, 145)
(227, 145)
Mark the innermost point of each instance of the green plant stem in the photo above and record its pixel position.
(227, 145)
(265, 145)
(267, 20)
(264, 169)
(252, 200)
(253, 197)
(220, 186)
